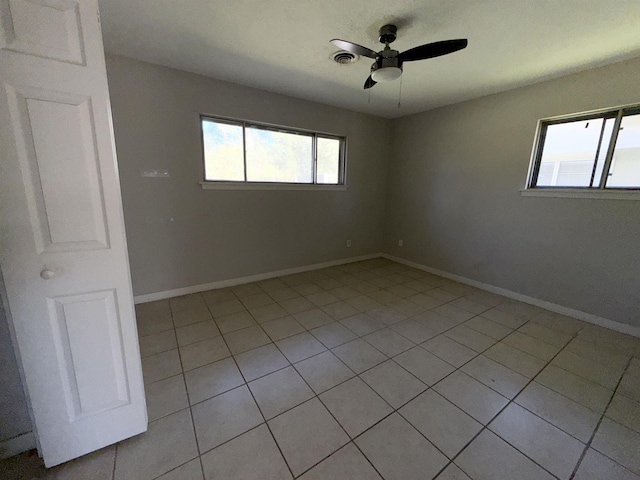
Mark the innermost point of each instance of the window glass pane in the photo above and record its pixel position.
(278, 156)
(604, 149)
(223, 151)
(569, 152)
(625, 165)
(328, 160)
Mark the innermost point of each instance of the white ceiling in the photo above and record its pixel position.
(283, 45)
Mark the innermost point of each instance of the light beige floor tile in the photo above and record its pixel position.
(280, 391)
(359, 355)
(355, 406)
(188, 471)
(224, 417)
(364, 287)
(186, 302)
(282, 328)
(307, 434)
(564, 413)
(545, 334)
(630, 386)
(322, 298)
(444, 424)
(605, 375)
(424, 365)
(490, 328)
(414, 330)
(618, 443)
(328, 283)
(470, 306)
(504, 318)
(187, 317)
(453, 472)
(201, 353)
(389, 342)
(625, 411)
(393, 383)
(470, 338)
(313, 318)
(547, 445)
(226, 308)
(506, 462)
(323, 371)
(213, 379)
(165, 397)
(344, 293)
(333, 334)
(256, 300)
(96, 466)
(473, 397)
(168, 443)
(532, 346)
(409, 307)
(252, 455)
(402, 291)
(235, 321)
(161, 365)
(197, 332)
(283, 294)
(515, 359)
(603, 356)
(261, 361)
(156, 309)
(449, 350)
(219, 295)
(558, 322)
(154, 324)
(583, 391)
(246, 339)
(267, 313)
(386, 315)
(596, 466)
(346, 463)
(307, 288)
(362, 324)
(272, 285)
(246, 290)
(157, 343)
(339, 310)
(397, 450)
(441, 294)
(496, 376)
(453, 313)
(296, 305)
(435, 322)
(363, 303)
(299, 347)
(519, 309)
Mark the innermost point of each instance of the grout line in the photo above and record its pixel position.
(602, 416)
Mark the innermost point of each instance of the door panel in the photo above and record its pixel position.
(62, 243)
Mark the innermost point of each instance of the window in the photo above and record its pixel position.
(238, 152)
(594, 151)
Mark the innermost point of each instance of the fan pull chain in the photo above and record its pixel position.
(400, 92)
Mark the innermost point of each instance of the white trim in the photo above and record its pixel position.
(601, 194)
(569, 312)
(271, 186)
(150, 297)
(17, 445)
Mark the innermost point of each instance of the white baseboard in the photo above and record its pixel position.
(17, 445)
(569, 312)
(150, 297)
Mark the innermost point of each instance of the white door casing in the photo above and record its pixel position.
(62, 242)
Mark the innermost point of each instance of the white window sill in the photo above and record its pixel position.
(581, 193)
(270, 186)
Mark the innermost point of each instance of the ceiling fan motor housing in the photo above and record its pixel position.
(386, 67)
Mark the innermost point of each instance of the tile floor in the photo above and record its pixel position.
(372, 370)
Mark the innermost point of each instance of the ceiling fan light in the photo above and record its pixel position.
(386, 74)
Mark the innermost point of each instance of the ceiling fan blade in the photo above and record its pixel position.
(431, 50)
(354, 48)
(370, 82)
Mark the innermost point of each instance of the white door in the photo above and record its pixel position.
(62, 243)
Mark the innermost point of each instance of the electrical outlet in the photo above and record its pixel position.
(400, 243)
(348, 243)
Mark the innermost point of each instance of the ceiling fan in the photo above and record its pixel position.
(388, 62)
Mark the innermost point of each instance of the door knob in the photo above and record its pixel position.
(47, 274)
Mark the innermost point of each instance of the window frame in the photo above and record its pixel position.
(253, 185)
(598, 188)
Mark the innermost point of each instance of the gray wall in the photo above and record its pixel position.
(14, 413)
(454, 199)
(218, 234)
